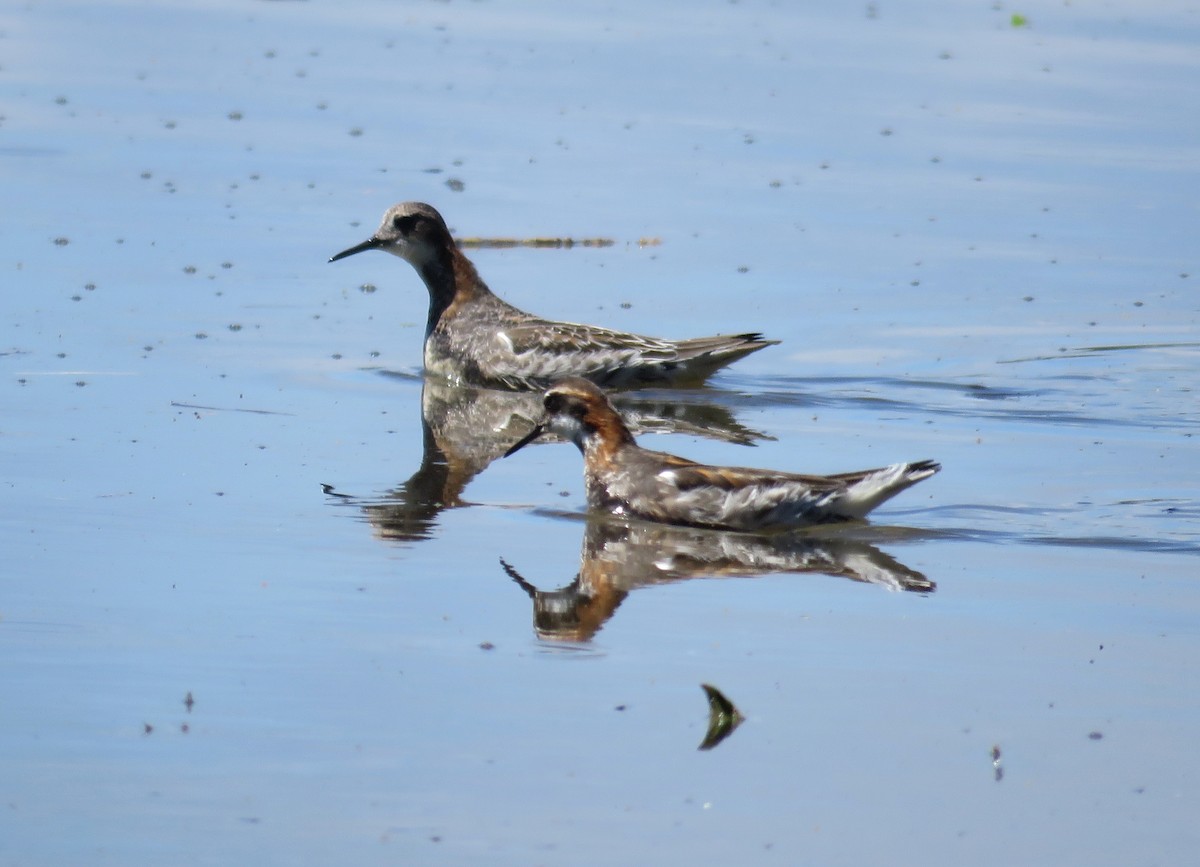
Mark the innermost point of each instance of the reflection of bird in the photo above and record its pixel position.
(464, 429)
(473, 336)
(618, 557)
(625, 479)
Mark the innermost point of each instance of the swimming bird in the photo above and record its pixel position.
(473, 336)
(624, 479)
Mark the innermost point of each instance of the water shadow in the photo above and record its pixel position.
(1068, 352)
(1182, 516)
(619, 557)
(1041, 400)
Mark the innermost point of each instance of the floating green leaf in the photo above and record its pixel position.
(723, 717)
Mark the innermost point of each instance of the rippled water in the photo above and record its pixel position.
(974, 234)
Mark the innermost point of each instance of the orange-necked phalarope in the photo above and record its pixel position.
(624, 479)
(473, 336)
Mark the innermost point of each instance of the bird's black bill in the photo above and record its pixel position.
(526, 440)
(369, 244)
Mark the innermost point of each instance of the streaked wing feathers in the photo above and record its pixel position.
(566, 339)
(689, 476)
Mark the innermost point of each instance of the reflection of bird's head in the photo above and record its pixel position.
(569, 614)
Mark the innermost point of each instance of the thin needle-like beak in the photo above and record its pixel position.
(527, 439)
(369, 244)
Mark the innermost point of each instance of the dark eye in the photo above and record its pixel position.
(404, 223)
(554, 402)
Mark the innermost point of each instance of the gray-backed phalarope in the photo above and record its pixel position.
(475, 337)
(624, 479)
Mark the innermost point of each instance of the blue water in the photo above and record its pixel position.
(976, 242)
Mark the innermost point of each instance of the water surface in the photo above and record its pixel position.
(976, 242)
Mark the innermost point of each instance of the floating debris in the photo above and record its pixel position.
(723, 717)
(506, 243)
(181, 405)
